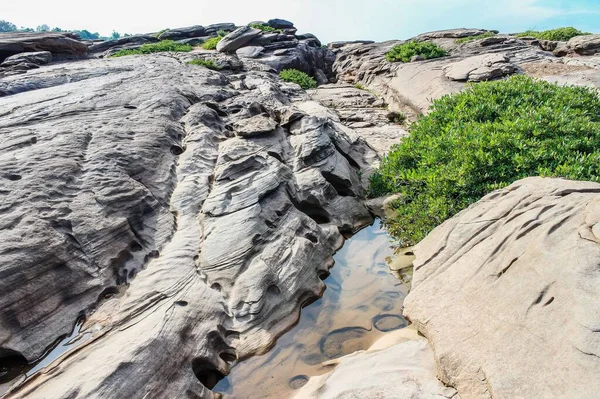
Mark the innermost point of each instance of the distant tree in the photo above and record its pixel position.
(43, 28)
(6, 26)
(24, 29)
(57, 29)
(115, 35)
(87, 35)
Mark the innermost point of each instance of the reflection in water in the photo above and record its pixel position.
(362, 302)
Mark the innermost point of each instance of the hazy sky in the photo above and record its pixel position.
(328, 19)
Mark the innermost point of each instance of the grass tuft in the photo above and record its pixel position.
(211, 44)
(210, 64)
(160, 47)
(560, 34)
(299, 77)
(404, 52)
(265, 28)
(476, 37)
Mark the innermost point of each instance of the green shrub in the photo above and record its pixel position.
(484, 139)
(396, 117)
(476, 37)
(404, 52)
(160, 47)
(211, 43)
(265, 28)
(210, 64)
(560, 34)
(359, 86)
(299, 77)
(221, 33)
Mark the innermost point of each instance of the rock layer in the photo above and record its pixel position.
(508, 290)
(131, 199)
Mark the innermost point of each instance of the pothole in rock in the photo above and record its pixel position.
(363, 302)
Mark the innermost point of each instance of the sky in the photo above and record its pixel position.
(330, 20)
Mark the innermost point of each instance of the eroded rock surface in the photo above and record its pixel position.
(508, 292)
(130, 198)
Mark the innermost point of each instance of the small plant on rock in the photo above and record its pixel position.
(396, 117)
(157, 34)
(359, 86)
(404, 52)
(476, 37)
(221, 33)
(298, 77)
(211, 44)
(265, 28)
(560, 34)
(160, 47)
(210, 64)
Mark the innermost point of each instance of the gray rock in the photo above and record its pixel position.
(416, 58)
(249, 51)
(237, 39)
(280, 24)
(480, 68)
(213, 29)
(36, 58)
(490, 41)
(585, 45)
(548, 45)
(264, 39)
(124, 42)
(125, 218)
(516, 273)
(183, 33)
(302, 57)
(452, 34)
(61, 45)
(254, 126)
(340, 44)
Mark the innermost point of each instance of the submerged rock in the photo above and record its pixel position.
(507, 292)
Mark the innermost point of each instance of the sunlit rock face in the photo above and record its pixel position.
(508, 292)
(186, 213)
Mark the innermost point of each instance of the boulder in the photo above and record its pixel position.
(585, 45)
(398, 366)
(237, 39)
(183, 33)
(254, 126)
(249, 51)
(61, 45)
(123, 42)
(302, 57)
(36, 58)
(508, 292)
(214, 28)
(280, 24)
(479, 68)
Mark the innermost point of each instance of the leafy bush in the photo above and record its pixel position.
(211, 43)
(221, 33)
(210, 64)
(160, 47)
(484, 139)
(476, 37)
(299, 77)
(404, 52)
(265, 28)
(560, 34)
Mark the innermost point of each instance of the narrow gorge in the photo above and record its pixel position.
(165, 218)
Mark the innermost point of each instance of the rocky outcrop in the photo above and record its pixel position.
(398, 366)
(580, 45)
(479, 68)
(61, 45)
(183, 33)
(127, 42)
(237, 39)
(507, 292)
(142, 197)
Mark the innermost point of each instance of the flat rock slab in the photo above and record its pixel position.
(59, 44)
(237, 39)
(508, 292)
(398, 366)
(254, 126)
(37, 58)
(480, 68)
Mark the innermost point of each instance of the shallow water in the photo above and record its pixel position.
(362, 302)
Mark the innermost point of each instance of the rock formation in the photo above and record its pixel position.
(507, 292)
(160, 220)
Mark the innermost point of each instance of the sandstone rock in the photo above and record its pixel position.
(237, 39)
(37, 58)
(183, 33)
(416, 58)
(488, 41)
(182, 244)
(451, 34)
(254, 126)
(507, 292)
(398, 366)
(249, 51)
(61, 45)
(479, 68)
(548, 45)
(585, 45)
